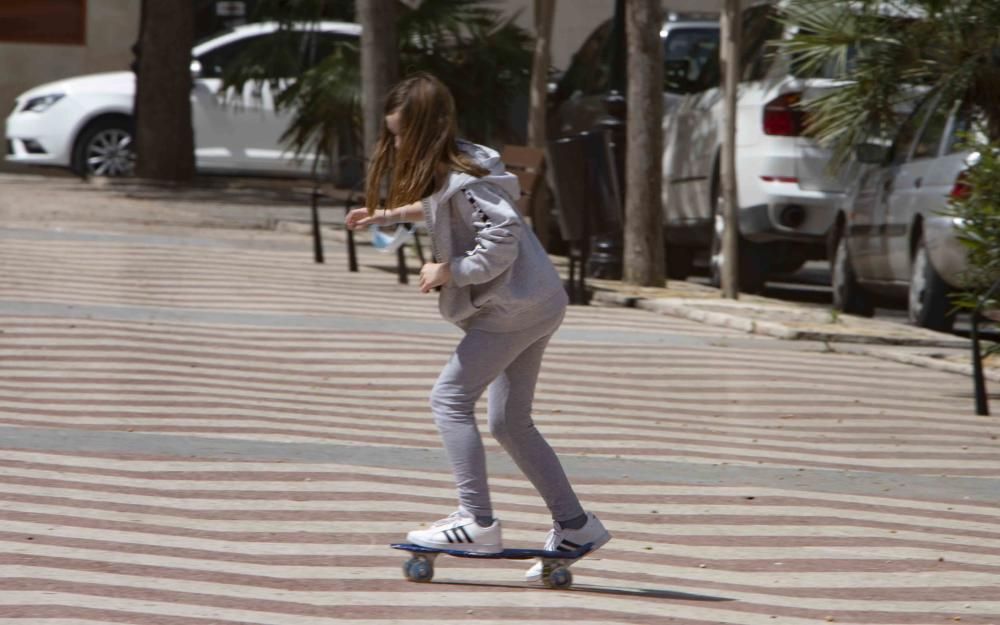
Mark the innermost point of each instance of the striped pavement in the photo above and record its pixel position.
(204, 427)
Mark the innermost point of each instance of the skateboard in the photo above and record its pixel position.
(555, 564)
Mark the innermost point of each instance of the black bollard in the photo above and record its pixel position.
(317, 235)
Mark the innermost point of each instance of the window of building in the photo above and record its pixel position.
(60, 22)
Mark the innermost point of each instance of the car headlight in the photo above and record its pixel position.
(42, 103)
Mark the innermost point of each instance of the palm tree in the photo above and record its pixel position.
(891, 54)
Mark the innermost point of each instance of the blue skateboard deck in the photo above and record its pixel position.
(555, 564)
(506, 554)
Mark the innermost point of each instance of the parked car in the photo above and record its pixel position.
(589, 96)
(787, 196)
(86, 123)
(892, 239)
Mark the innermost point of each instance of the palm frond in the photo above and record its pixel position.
(459, 41)
(888, 54)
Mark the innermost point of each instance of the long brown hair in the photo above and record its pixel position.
(427, 132)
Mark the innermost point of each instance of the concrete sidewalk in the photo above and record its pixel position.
(781, 319)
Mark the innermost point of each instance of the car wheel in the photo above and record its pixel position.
(752, 262)
(929, 306)
(105, 148)
(848, 296)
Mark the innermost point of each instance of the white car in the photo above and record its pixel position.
(787, 198)
(86, 123)
(895, 240)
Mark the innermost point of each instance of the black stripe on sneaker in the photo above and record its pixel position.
(572, 545)
(448, 536)
(467, 537)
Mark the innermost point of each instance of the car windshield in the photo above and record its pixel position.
(690, 43)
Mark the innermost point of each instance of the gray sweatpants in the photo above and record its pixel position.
(508, 363)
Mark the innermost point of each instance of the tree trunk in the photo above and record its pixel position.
(644, 245)
(379, 62)
(544, 12)
(163, 130)
(727, 167)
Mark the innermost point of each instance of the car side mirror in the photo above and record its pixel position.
(871, 153)
(195, 68)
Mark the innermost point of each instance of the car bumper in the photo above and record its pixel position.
(947, 254)
(784, 194)
(791, 215)
(39, 138)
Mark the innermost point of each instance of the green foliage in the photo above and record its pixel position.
(888, 54)
(484, 59)
(327, 104)
(978, 218)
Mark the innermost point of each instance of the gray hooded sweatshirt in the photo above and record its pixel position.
(501, 277)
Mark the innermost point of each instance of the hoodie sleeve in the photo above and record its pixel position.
(498, 229)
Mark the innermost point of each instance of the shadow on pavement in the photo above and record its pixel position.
(598, 590)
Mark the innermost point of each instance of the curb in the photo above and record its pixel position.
(881, 347)
(927, 361)
(708, 317)
(774, 329)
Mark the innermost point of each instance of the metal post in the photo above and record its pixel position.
(731, 25)
(352, 253)
(978, 379)
(401, 265)
(317, 235)
(979, 384)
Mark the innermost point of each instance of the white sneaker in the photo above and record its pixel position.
(560, 539)
(459, 531)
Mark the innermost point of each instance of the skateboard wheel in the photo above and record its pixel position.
(558, 577)
(418, 570)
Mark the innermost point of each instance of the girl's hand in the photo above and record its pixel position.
(359, 218)
(434, 275)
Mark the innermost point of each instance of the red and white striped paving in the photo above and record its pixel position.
(223, 345)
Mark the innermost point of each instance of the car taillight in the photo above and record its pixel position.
(783, 117)
(961, 189)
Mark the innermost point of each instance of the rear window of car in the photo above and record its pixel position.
(970, 124)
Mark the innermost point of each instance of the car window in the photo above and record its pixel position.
(691, 59)
(323, 44)
(215, 62)
(930, 138)
(908, 131)
(283, 52)
(589, 69)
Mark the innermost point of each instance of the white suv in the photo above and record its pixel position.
(787, 197)
(85, 123)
